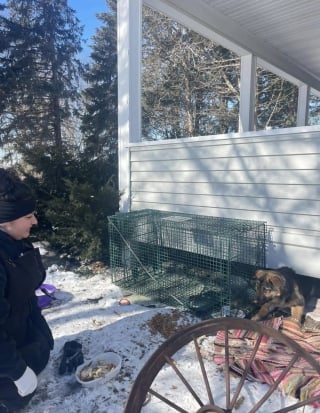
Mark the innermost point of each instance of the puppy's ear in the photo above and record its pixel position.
(276, 280)
(259, 274)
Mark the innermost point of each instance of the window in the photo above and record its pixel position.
(190, 85)
(314, 110)
(276, 101)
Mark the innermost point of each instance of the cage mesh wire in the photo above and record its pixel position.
(200, 263)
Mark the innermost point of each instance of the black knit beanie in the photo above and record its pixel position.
(16, 199)
(11, 210)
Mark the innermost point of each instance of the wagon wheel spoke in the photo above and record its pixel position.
(227, 368)
(167, 401)
(183, 379)
(275, 385)
(296, 406)
(203, 371)
(246, 371)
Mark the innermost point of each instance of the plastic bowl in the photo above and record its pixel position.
(100, 368)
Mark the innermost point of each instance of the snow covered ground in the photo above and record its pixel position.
(87, 309)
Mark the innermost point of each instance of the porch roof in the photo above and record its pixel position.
(283, 33)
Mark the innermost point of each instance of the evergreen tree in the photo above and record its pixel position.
(10, 34)
(73, 218)
(75, 193)
(40, 65)
(75, 212)
(100, 119)
(94, 192)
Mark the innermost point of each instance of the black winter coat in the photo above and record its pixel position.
(25, 337)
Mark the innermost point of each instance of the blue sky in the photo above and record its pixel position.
(86, 12)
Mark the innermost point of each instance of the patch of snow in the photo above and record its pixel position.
(87, 309)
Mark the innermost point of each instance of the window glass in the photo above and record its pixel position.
(276, 101)
(314, 110)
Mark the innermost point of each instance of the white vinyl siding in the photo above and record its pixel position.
(271, 177)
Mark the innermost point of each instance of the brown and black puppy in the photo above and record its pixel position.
(283, 289)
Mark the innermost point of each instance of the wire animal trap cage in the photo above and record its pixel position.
(188, 261)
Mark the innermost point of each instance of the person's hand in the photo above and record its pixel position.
(27, 383)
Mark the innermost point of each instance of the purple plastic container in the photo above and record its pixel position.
(45, 294)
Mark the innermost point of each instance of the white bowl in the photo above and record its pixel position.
(88, 374)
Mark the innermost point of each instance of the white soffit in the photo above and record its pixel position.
(284, 33)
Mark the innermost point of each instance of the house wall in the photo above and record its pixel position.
(272, 176)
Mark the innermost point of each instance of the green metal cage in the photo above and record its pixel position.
(201, 263)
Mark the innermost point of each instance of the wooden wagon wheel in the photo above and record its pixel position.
(216, 396)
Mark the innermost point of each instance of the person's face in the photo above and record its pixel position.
(20, 228)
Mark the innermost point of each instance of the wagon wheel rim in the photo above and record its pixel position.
(163, 357)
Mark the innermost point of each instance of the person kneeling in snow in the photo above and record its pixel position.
(25, 337)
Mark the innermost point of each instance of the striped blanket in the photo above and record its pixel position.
(272, 357)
